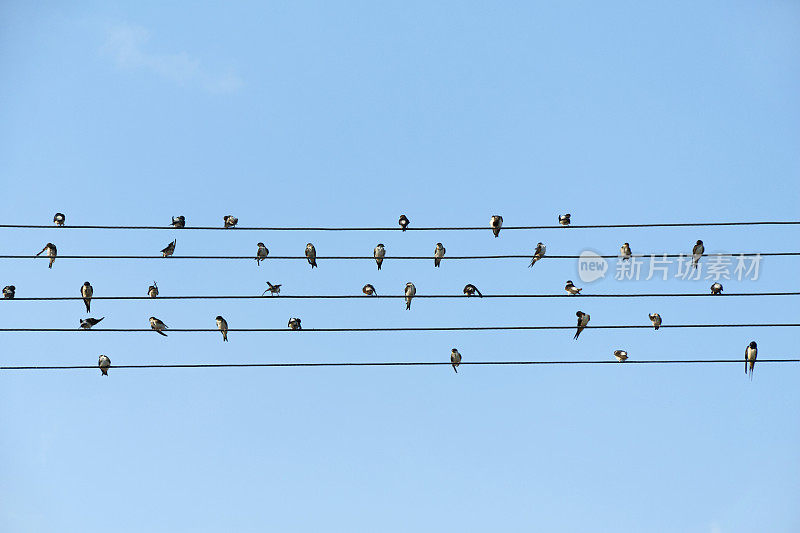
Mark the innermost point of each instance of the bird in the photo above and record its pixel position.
(563, 219)
(655, 318)
(541, 249)
(497, 223)
(571, 288)
(104, 363)
(311, 255)
(438, 253)
(179, 222)
(625, 251)
(583, 319)
(152, 290)
(86, 292)
(9, 291)
(222, 325)
(230, 221)
(87, 323)
(470, 290)
(169, 250)
(621, 355)
(379, 253)
(716, 288)
(262, 253)
(411, 290)
(59, 219)
(369, 290)
(294, 324)
(697, 253)
(455, 359)
(404, 222)
(750, 354)
(272, 289)
(51, 253)
(158, 326)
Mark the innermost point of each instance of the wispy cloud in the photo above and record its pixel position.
(127, 45)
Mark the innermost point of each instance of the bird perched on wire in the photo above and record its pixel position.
(9, 291)
(410, 292)
(158, 326)
(152, 290)
(697, 253)
(621, 355)
(404, 222)
(496, 222)
(541, 249)
(571, 288)
(369, 290)
(222, 325)
(59, 219)
(230, 221)
(563, 219)
(750, 354)
(272, 289)
(379, 253)
(311, 255)
(262, 253)
(86, 292)
(88, 323)
(179, 222)
(625, 251)
(470, 290)
(169, 250)
(583, 320)
(655, 318)
(51, 253)
(716, 288)
(294, 324)
(455, 359)
(438, 253)
(104, 363)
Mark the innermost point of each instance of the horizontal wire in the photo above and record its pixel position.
(398, 363)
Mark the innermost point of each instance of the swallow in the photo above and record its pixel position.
(404, 222)
(583, 319)
(88, 323)
(51, 253)
(59, 219)
(158, 326)
(169, 250)
(655, 318)
(571, 288)
(222, 325)
(379, 253)
(179, 222)
(497, 222)
(294, 324)
(369, 290)
(470, 290)
(541, 249)
(9, 291)
(272, 289)
(697, 253)
(86, 292)
(455, 359)
(563, 219)
(750, 354)
(262, 253)
(152, 290)
(411, 291)
(438, 253)
(104, 363)
(311, 255)
(621, 355)
(716, 288)
(625, 251)
(230, 221)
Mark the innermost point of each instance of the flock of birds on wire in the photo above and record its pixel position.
(379, 253)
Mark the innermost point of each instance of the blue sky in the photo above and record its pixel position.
(320, 114)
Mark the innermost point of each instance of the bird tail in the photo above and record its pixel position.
(100, 319)
(379, 266)
(436, 262)
(479, 292)
(104, 371)
(51, 262)
(408, 305)
(656, 327)
(225, 336)
(161, 332)
(454, 366)
(577, 333)
(88, 304)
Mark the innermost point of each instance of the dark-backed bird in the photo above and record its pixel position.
(750, 354)
(541, 249)
(230, 221)
(583, 320)
(369, 290)
(455, 359)
(104, 363)
(88, 323)
(59, 219)
(438, 253)
(621, 355)
(410, 292)
(294, 323)
(563, 219)
(311, 255)
(470, 290)
(262, 253)
(655, 318)
(496, 222)
(51, 253)
(625, 251)
(169, 250)
(272, 289)
(716, 288)
(222, 325)
(179, 222)
(571, 288)
(152, 290)
(697, 253)
(404, 222)
(86, 292)
(379, 253)
(9, 291)
(158, 326)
